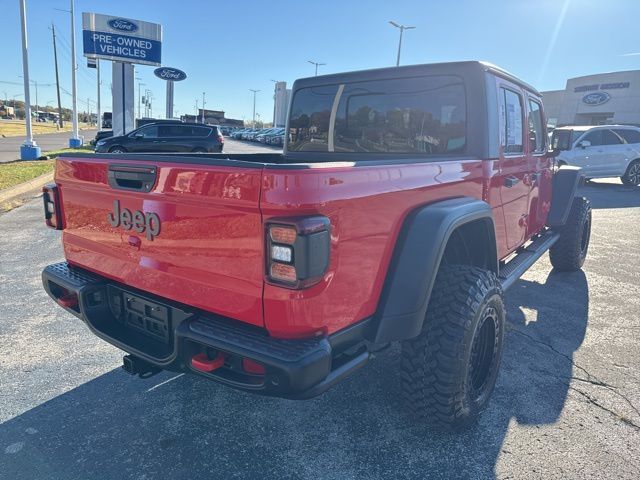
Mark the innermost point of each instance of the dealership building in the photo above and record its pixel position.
(601, 99)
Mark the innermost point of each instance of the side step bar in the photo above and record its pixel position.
(515, 268)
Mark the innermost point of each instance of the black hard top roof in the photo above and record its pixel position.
(410, 70)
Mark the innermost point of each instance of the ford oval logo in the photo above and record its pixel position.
(173, 74)
(123, 25)
(596, 98)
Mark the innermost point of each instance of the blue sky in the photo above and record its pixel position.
(228, 47)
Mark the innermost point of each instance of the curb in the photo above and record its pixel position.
(26, 189)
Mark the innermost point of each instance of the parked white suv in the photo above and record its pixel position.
(603, 151)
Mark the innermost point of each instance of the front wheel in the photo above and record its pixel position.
(570, 251)
(632, 176)
(450, 370)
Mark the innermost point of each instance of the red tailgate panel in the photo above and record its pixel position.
(209, 252)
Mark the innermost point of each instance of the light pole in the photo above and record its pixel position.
(316, 64)
(75, 140)
(203, 104)
(196, 120)
(254, 105)
(29, 150)
(402, 29)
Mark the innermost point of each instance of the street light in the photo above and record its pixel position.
(316, 64)
(254, 106)
(139, 97)
(402, 29)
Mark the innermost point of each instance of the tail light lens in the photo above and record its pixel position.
(298, 251)
(51, 199)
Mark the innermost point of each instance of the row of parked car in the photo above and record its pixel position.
(269, 136)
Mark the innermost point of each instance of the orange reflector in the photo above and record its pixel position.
(250, 366)
(286, 235)
(286, 273)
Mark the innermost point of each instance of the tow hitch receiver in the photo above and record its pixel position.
(136, 366)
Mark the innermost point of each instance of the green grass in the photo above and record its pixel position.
(15, 173)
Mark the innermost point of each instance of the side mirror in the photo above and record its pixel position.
(584, 144)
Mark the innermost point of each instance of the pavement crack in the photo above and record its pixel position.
(592, 379)
(595, 402)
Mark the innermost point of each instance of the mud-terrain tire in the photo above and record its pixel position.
(570, 251)
(450, 370)
(631, 177)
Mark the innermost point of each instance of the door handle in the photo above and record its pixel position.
(511, 181)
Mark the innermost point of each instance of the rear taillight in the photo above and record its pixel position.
(51, 199)
(297, 251)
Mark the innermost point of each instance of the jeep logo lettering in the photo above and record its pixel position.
(173, 74)
(139, 221)
(123, 25)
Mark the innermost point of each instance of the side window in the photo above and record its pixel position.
(309, 121)
(594, 137)
(512, 122)
(610, 138)
(537, 136)
(149, 132)
(174, 131)
(200, 131)
(630, 136)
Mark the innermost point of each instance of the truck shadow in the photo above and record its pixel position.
(604, 194)
(178, 427)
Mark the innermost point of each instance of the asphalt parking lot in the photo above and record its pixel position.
(567, 403)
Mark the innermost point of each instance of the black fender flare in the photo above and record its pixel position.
(565, 184)
(415, 262)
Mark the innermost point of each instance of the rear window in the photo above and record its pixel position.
(424, 115)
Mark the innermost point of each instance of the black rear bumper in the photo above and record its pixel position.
(168, 335)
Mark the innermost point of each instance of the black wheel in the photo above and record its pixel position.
(632, 175)
(450, 370)
(570, 251)
(117, 149)
(199, 150)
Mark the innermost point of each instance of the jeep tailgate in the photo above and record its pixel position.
(207, 250)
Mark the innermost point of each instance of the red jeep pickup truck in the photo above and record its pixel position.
(405, 202)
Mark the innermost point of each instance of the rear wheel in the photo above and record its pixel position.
(632, 176)
(199, 150)
(117, 149)
(450, 370)
(570, 251)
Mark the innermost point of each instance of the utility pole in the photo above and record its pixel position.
(29, 150)
(254, 106)
(98, 112)
(316, 64)
(196, 110)
(402, 29)
(88, 111)
(55, 59)
(75, 139)
(203, 104)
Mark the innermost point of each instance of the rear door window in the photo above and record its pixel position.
(610, 138)
(512, 122)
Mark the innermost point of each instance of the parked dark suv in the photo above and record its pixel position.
(164, 138)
